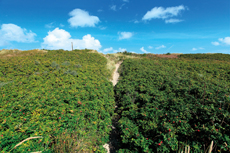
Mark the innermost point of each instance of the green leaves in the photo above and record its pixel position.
(169, 102)
(39, 105)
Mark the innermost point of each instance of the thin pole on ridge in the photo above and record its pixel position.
(72, 45)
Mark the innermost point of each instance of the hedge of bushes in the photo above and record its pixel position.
(165, 105)
(48, 94)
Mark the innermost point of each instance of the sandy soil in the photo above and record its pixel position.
(114, 81)
(116, 74)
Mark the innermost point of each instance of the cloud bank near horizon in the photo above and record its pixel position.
(61, 39)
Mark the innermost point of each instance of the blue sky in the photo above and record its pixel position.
(141, 26)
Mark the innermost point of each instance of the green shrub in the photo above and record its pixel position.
(77, 66)
(72, 72)
(164, 107)
(54, 104)
(66, 63)
(54, 65)
(215, 56)
(37, 62)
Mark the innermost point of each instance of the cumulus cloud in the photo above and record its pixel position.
(150, 47)
(224, 41)
(12, 32)
(164, 13)
(173, 21)
(162, 46)
(61, 39)
(143, 50)
(125, 35)
(113, 7)
(81, 18)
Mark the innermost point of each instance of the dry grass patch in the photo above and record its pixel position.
(69, 142)
(9, 51)
(93, 51)
(6, 53)
(110, 66)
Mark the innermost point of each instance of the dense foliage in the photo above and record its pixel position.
(47, 94)
(165, 105)
(216, 56)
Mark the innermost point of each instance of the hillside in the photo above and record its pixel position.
(61, 101)
(53, 93)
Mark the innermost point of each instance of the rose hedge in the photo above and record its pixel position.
(165, 105)
(217, 56)
(46, 94)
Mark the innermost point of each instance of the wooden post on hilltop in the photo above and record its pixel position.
(72, 45)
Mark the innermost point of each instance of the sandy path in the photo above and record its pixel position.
(114, 81)
(116, 74)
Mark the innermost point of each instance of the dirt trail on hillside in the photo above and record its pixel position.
(116, 74)
(111, 147)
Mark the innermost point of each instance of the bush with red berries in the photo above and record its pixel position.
(46, 98)
(168, 104)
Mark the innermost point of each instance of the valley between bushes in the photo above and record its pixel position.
(60, 101)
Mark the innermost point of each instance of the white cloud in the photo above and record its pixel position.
(173, 21)
(194, 49)
(163, 13)
(113, 7)
(150, 47)
(12, 32)
(119, 50)
(136, 21)
(215, 43)
(143, 50)
(100, 10)
(125, 0)
(200, 48)
(225, 40)
(125, 35)
(61, 39)
(108, 49)
(162, 46)
(81, 18)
